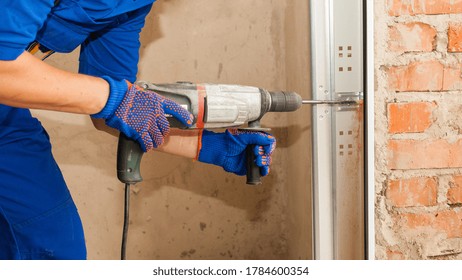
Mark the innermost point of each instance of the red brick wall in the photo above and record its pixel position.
(419, 129)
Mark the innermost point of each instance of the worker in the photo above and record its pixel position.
(38, 218)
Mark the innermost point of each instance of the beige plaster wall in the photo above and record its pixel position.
(186, 209)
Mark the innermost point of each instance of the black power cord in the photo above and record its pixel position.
(126, 222)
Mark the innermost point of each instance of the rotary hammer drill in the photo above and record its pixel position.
(213, 106)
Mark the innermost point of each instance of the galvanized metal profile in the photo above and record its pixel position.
(322, 185)
(338, 156)
(348, 128)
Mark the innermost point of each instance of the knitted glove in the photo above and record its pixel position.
(140, 114)
(228, 150)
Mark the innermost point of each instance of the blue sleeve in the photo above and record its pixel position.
(114, 51)
(19, 22)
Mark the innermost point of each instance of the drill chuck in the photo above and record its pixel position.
(285, 101)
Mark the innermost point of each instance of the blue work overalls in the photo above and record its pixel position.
(38, 218)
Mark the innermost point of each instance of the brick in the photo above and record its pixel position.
(399, 7)
(455, 191)
(448, 222)
(452, 77)
(418, 220)
(417, 76)
(410, 117)
(422, 154)
(428, 7)
(414, 36)
(455, 37)
(394, 255)
(413, 192)
(425, 76)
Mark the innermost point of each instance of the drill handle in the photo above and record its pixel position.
(129, 154)
(253, 171)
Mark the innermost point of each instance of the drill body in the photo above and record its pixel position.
(222, 106)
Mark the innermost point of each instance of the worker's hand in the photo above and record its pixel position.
(228, 150)
(140, 114)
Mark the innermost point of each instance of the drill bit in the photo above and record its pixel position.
(330, 102)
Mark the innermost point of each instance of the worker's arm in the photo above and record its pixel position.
(179, 142)
(30, 83)
(27, 82)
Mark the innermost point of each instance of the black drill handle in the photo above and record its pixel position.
(253, 171)
(129, 154)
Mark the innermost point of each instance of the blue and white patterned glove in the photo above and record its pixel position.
(140, 114)
(228, 150)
